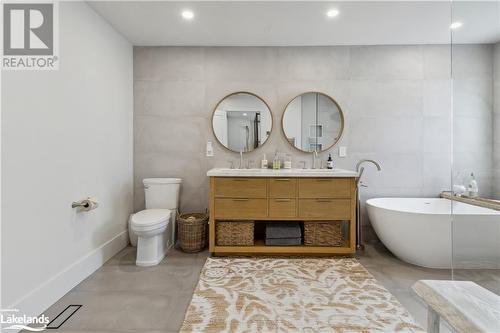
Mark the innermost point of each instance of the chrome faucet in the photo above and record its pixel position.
(360, 169)
(241, 160)
(315, 158)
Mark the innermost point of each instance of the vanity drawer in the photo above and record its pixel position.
(324, 188)
(240, 208)
(328, 209)
(282, 207)
(239, 187)
(282, 187)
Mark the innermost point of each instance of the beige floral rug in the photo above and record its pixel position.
(292, 295)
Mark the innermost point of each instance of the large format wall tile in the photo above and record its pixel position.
(387, 62)
(396, 98)
(496, 123)
(473, 97)
(169, 63)
(169, 98)
(313, 64)
(437, 95)
(386, 134)
(240, 64)
(472, 61)
(437, 62)
(396, 102)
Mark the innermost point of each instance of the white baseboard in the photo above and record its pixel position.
(46, 294)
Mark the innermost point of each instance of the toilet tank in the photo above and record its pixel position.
(162, 193)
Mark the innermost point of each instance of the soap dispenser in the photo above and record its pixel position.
(287, 164)
(473, 188)
(276, 162)
(329, 162)
(264, 163)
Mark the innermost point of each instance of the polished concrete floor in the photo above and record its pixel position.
(121, 297)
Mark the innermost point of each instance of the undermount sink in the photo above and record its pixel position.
(227, 172)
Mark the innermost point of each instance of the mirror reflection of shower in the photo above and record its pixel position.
(243, 130)
(242, 122)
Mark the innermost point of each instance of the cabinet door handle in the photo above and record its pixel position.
(323, 180)
(282, 200)
(240, 199)
(240, 179)
(282, 179)
(323, 200)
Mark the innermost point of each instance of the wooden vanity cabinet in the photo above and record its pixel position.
(279, 199)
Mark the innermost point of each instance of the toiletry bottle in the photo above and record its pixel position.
(473, 188)
(276, 162)
(263, 163)
(329, 162)
(288, 162)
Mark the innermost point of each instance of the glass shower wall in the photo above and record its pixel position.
(475, 33)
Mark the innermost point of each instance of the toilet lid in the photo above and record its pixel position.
(150, 217)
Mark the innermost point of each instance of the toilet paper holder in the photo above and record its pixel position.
(85, 204)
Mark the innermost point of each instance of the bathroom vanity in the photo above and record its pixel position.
(273, 196)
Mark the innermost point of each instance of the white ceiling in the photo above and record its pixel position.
(284, 23)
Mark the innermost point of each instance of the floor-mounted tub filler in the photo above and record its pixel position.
(437, 233)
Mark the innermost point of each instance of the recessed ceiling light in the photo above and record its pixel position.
(187, 14)
(245, 114)
(456, 25)
(332, 13)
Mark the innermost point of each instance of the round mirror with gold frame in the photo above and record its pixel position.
(242, 122)
(312, 121)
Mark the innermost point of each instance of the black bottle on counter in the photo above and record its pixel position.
(329, 162)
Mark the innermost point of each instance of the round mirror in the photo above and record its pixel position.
(242, 122)
(313, 122)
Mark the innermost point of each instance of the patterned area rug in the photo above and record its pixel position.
(292, 295)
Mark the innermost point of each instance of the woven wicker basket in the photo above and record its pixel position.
(192, 231)
(234, 233)
(323, 233)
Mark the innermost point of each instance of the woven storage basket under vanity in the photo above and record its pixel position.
(323, 233)
(192, 231)
(234, 233)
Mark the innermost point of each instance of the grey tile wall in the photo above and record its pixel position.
(473, 115)
(396, 102)
(496, 123)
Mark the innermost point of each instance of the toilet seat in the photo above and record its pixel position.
(150, 219)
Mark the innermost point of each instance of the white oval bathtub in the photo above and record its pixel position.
(419, 231)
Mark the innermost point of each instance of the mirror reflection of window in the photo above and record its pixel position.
(242, 122)
(312, 122)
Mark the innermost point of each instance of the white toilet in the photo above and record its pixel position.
(154, 228)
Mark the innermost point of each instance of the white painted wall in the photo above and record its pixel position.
(66, 135)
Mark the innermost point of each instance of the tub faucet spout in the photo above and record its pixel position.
(360, 169)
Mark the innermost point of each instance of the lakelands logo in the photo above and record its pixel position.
(30, 36)
(10, 319)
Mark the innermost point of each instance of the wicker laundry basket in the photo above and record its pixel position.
(234, 233)
(192, 228)
(323, 233)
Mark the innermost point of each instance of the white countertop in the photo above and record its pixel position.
(226, 172)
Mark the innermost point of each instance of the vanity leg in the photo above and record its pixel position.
(432, 321)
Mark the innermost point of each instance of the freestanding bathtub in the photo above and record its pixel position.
(424, 232)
